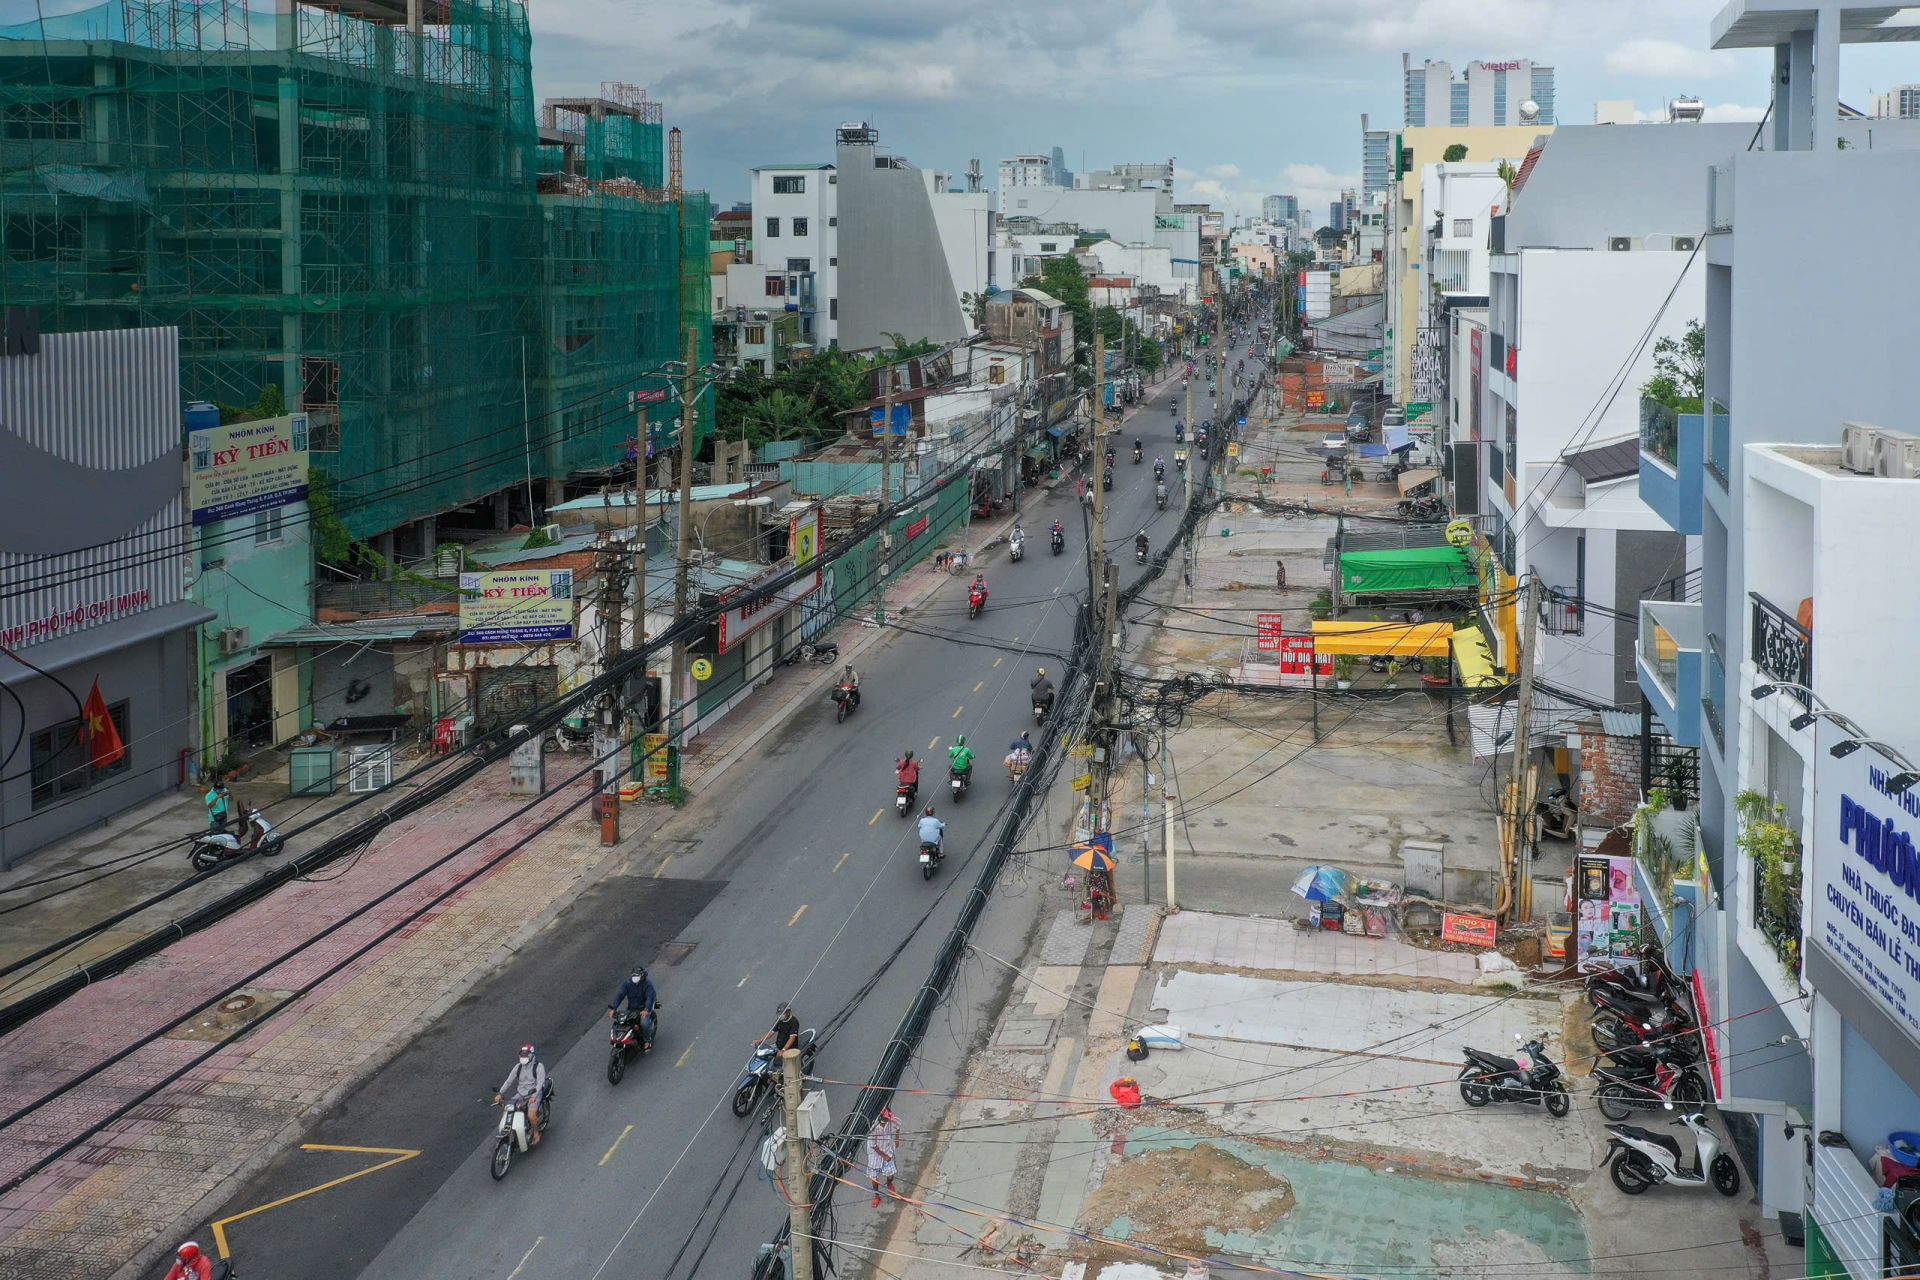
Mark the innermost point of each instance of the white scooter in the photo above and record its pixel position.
(1642, 1158)
(212, 848)
(1017, 547)
(513, 1137)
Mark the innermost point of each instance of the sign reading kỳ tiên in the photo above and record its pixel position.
(519, 606)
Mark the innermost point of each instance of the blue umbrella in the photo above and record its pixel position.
(1321, 884)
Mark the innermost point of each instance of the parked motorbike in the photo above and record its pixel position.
(930, 856)
(211, 848)
(1059, 541)
(1106, 480)
(762, 1073)
(514, 1136)
(1528, 1076)
(631, 1034)
(1381, 664)
(822, 655)
(846, 700)
(1648, 974)
(1556, 813)
(1624, 1016)
(1630, 1079)
(568, 736)
(959, 783)
(904, 796)
(1642, 1158)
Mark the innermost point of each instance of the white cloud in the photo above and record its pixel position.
(1223, 171)
(1668, 59)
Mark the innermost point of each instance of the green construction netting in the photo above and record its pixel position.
(1443, 570)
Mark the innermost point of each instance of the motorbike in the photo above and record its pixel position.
(1016, 548)
(846, 700)
(959, 782)
(1160, 498)
(1137, 455)
(1649, 977)
(1059, 541)
(1106, 481)
(930, 856)
(1638, 1028)
(1179, 433)
(568, 736)
(1159, 472)
(1634, 1078)
(631, 1034)
(977, 600)
(1139, 554)
(1041, 706)
(211, 848)
(1528, 1076)
(1556, 814)
(821, 655)
(761, 1075)
(1642, 1158)
(1622, 1014)
(904, 797)
(1381, 663)
(513, 1136)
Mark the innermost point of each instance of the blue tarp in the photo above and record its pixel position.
(1058, 433)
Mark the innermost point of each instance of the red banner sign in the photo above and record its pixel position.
(1474, 931)
(1271, 632)
(918, 527)
(1297, 657)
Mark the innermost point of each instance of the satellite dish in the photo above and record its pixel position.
(1529, 111)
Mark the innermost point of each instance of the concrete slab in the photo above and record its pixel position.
(1247, 942)
(1109, 1016)
(1066, 942)
(1347, 1018)
(1131, 941)
(1068, 1169)
(1046, 990)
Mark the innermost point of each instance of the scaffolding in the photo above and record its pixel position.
(345, 198)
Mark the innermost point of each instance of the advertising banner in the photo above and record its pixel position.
(1473, 931)
(522, 606)
(1864, 879)
(246, 467)
(803, 535)
(742, 620)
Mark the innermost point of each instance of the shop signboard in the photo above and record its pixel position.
(1270, 631)
(518, 606)
(243, 467)
(1300, 664)
(1472, 931)
(803, 535)
(1864, 879)
(738, 621)
(659, 761)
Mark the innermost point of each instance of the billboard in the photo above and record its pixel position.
(244, 467)
(1863, 878)
(741, 620)
(516, 606)
(803, 535)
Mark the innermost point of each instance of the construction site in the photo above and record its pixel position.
(357, 208)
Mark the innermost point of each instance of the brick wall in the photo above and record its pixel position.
(1609, 777)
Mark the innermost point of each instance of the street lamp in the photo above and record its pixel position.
(730, 504)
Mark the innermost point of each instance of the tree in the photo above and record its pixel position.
(1455, 153)
(780, 415)
(901, 350)
(1508, 174)
(1679, 378)
(1066, 280)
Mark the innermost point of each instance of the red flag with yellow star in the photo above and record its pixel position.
(102, 735)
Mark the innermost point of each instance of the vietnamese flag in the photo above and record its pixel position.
(101, 735)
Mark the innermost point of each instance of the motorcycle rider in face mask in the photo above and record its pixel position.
(960, 756)
(638, 995)
(932, 830)
(526, 1082)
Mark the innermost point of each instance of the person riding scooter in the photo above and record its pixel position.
(932, 830)
(1141, 545)
(525, 1084)
(190, 1262)
(908, 770)
(641, 1000)
(977, 593)
(1041, 689)
(1138, 452)
(850, 681)
(1159, 467)
(960, 757)
(1058, 535)
(1160, 496)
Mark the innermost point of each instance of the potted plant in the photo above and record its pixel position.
(1681, 775)
(1345, 667)
(1774, 850)
(1322, 605)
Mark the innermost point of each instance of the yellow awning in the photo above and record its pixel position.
(1473, 661)
(1384, 639)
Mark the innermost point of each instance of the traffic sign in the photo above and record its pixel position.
(702, 669)
(1243, 419)
(1081, 751)
(1459, 532)
(1233, 448)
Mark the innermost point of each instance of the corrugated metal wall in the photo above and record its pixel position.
(107, 400)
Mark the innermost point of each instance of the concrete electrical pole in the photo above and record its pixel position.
(1518, 862)
(1103, 602)
(886, 487)
(689, 424)
(799, 1217)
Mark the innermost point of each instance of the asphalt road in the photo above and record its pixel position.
(799, 882)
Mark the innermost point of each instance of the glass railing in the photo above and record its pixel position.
(1667, 630)
(1660, 433)
(1719, 441)
(1714, 699)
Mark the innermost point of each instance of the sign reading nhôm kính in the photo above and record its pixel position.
(516, 606)
(244, 467)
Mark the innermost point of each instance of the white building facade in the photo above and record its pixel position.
(1484, 93)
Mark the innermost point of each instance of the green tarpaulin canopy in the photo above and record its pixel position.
(1432, 569)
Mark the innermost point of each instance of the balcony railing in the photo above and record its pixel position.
(1668, 630)
(1779, 923)
(1562, 614)
(1782, 648)
(1660, 432)
(1713, 700)
(1719, 441)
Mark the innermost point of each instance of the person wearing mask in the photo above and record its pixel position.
(909, 770)
(526, 1083)
(850, 681)
(1019, 754)
(638, 995)
(190, 1262)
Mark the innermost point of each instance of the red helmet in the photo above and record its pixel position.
(189, 1252)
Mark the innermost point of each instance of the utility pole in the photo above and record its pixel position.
(886, 487)
(1167, 797)
(1520, 779)
(689, 423)
(799, 1215)
(641, 510)
(1103, 587)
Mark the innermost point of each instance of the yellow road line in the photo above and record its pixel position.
(998, 661)
(977, 688)
(933, 742)
(796, 916)
(610, 1150)
(537, 1242)
(687, 1054)
(400, 1155)
(661, 870)
(876, 816)
(843, 860)
(957, 711)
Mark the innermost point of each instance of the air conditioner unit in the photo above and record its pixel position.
(1858, 444)
(1685, 244)
(235, 639)
(760, 316)
(1623, 244)
(1896, 455)
(551, 532)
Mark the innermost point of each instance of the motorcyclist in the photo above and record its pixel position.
(640, 998)
(850, 681)
(960, 757)
(1058, 531)
(1159, 467)
(1141, 543)
(786, 1029)
(1018, 534)
(526, 1082)
(932, 830)
(1041, 686)
(977, 593)
(1138, 451)
(190, 1262)
(1160, 494)
(909, 771)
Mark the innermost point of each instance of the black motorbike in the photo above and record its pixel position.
(1528, 1077)
(1059, 543)
(632, 1033)
(959, 782)
(761, 1076)
(1137, 455)
(1106, 480)
(930, 858)
(1139, 553)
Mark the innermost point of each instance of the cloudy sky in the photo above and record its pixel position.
(1248, 96)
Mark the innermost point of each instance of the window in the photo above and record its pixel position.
(773, 228)
(756, 334)
(833, 262)
(267, 527)
(799, 264)
(776, 286)
(790, 185)
(1047, 246)
(1462, 227)
(799, 226)
(58, 759)
(833, 222)
(833, 308)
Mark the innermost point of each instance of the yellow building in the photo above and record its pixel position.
(1416, 149)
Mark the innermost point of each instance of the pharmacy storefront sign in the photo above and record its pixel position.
(1865, 874)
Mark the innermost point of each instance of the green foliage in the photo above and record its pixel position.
(1066, 280)
(1345, 667)
(1679, 380)
(537, 538)
(332, 544)
(1455, 153)
(271, 404)
(1507, 174)
(1774, 848)
(805, 401)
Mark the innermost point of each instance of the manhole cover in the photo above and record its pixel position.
(231, 1014)
(1024, 1033)
(672, 953)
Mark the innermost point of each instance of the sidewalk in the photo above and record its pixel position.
(1312, 1123)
